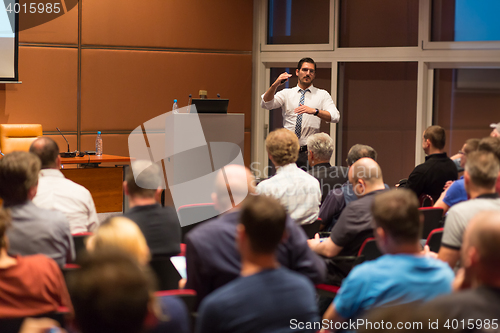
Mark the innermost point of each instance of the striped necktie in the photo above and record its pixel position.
(298, 125)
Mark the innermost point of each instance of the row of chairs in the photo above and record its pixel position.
(433, 219)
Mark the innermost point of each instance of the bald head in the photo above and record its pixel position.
(366, 169)
(366, 176)
(232, 185)
(482, 244)
(47, 151)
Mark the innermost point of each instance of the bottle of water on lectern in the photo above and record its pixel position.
(175, 107)
(98, 144)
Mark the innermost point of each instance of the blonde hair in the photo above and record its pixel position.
(120, 232)
(283, 146)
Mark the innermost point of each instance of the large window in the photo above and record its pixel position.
(393, 68)
(298, 22)
(378, 109)
(465, 20)
(378, 23)
(466, 102)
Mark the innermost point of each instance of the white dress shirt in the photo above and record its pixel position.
(288, 100)
(297, 191)
(55, 192)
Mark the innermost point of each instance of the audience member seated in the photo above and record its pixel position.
(121, 233)
(492, 144)
(160, 225)
(267, 297)
(34, 230)
(400, 276)
(495, 133)
(468, 147)
(112, 293)
(30, 285)
(297, 190)
(481, 265)
(481, 173)
(430, 177)
(320, 148)
(55, 192)
(337, 199)
(212, 257)
(455, 192)
(355, 222)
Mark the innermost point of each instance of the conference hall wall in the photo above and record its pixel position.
(112, 65)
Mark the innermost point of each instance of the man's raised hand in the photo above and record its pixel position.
(282, 79)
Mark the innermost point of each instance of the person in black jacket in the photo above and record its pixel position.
(160, 225)
(431, 176)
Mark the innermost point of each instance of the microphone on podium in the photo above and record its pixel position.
(68, 153)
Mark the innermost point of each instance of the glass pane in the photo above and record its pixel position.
(298, 22)
(323, 81)
(379, 109)
(465, 103)
(378, 23)
(465, 20)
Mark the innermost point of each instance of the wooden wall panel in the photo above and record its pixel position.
(48, 91)
(62, 144)
(215, 24)
(123, 89)
(135, 57)
(62, 30)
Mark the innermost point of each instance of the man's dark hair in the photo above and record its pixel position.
(47, 151)
(147, 181)
(396, 212)
(110, 293)
(471, 145)
(436, 135)
(490, 144)
(264, 219)
(483, 167)
(18, 173)
(303, 60)
(358, 152)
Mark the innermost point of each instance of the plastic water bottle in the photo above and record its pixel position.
(98, 144)
(175, 107)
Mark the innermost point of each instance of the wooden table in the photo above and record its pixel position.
(103, 182)
(104, 158)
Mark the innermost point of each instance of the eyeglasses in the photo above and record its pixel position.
(305, 70)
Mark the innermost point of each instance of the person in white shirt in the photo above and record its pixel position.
(298, 191)
(303, 106)
(55, 192)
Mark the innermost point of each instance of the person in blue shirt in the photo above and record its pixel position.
(266, 297)
(455, 192)
(403, 274)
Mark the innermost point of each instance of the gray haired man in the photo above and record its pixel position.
(320, 147)
(496, 130)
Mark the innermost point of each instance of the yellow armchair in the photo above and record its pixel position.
(18, 136)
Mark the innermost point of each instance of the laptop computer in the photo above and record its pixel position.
(205, 105)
